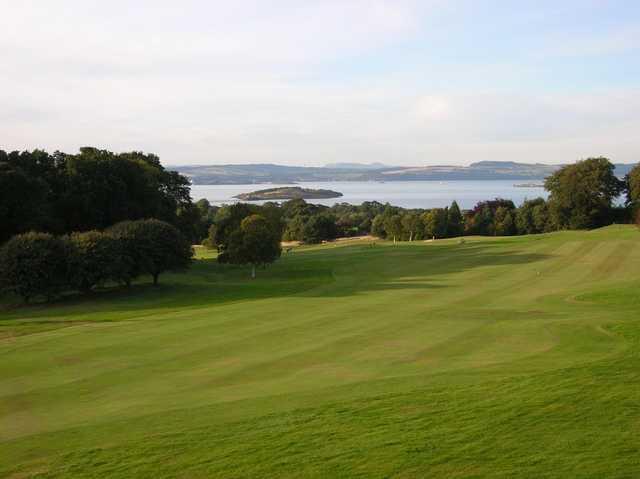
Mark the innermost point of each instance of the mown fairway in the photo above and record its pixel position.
(515, 357)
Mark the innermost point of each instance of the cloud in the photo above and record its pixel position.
(291, 82)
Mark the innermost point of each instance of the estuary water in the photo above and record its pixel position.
(407, 194)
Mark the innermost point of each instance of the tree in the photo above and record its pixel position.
(540, 216)
(582, 194)
(22, 202)
(632, 186)
(504, 224)
(255, 242)
(153, 247)
(93, 189)
(227, 220)
(525, 223)
(393, 226)
(377, 226)
(481, 219)
(455, 221)
(411, 223)
(190, 222)
(34, 264)
(435, 223)
(319, 228)
(95, 259)
(294, 229)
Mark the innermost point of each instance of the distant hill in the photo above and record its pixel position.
(357, 166)
(270, 173)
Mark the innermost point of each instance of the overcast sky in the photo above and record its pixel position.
(313, 82)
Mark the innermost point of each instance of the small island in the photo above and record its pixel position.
(288, 193)
(529, 185)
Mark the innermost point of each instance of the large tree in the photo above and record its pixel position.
(96, 258)
(582, 194)
(93, 189)
(481, 219)
(154, 247)
(34, 264)
(319, 228)
(228, 219)
(255, 242)
(632, 181)
(23, 202)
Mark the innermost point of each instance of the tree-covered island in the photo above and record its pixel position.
(288, 193)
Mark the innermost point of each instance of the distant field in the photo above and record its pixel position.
(500, 357)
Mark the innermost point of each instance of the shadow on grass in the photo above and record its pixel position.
(330, 273)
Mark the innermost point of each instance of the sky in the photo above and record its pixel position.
(308, 83)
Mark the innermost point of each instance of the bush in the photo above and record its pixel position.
(96, 258)
(152, 246)
(35, 264)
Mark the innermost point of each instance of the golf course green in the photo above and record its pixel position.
(492, 357)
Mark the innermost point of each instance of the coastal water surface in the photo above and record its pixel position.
(407, 194)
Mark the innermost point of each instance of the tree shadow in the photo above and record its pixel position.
(418, 267)
(335, 272)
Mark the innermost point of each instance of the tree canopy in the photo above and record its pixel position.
(153, 246)
(93, 189)
(582, 194)
(255, 242)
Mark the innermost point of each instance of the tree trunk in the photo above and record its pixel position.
(253, 271)
(394, 239)
(155, 279)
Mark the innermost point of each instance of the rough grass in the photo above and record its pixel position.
(507, 357)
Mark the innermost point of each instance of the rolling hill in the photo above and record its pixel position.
(269, 173)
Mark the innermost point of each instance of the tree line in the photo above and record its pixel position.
(45, 265)
(60, 193)
(581, 196)
(74, 222)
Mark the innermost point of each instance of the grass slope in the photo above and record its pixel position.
(507, 357)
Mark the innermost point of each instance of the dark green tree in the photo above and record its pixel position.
(96, 258)
(35, 264)
(255, 242)
(294, 229)
(318, 228)
(481, 219)
(504, 222)
(455, 221)
(23, 202)
(632, 185)
(153, 247)
(582, 194)
(540, 216)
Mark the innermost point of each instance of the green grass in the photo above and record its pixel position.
(506, 357)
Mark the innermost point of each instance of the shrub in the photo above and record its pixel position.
(35, 264)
